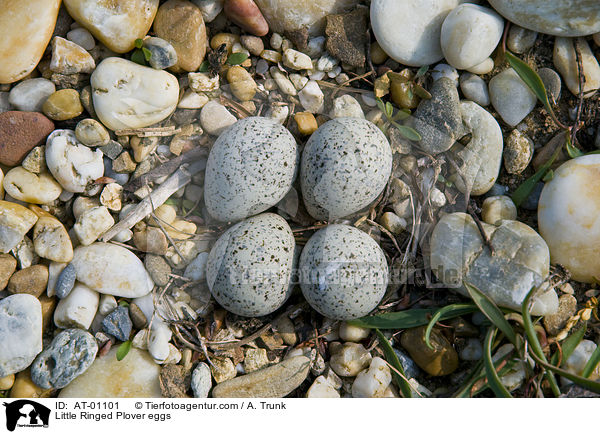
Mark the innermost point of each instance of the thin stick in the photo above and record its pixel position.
(581, 86)
(486, 239)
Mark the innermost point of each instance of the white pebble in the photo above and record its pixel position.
(346, 106)
(215, 118)
(352, 333)
(444, 70)
(284, 83)
(312, 97)
(201, 380)
(31, 94)
(472, 351)
(496, 208)
(373, 382)
(158, 342)
(316, 46)
(82, 37)
(321, 388)
(93, 223)
(108, 303)
(296, 60)
(349, 359)
(326, 63)
(192, 100)
(77, 309)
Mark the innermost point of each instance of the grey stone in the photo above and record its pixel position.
(497, 190)
(65, 281)
(520, 40)
(475, 89)
(411, 370)
(438, 119)
(511, 97)
(201, 380)
(112, 150)
(69, 355)
(118, 324)
(158, 268)
(163, 53)
(551, 81)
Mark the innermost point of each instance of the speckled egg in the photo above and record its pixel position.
(345, 165)
(249, 268)
(250, 168)
(343, 272)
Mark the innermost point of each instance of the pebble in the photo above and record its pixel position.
(82, 37)
(20, 332)
(111, 269)
(567, 216)
(91, 133)
(520, 40)
(62, 105)
(346, 106)
(151, 240)
(518, 152)
(92, 224)
(72, 164)
(5, 104)
(117, 24)
(439, 361)
(521, 260)
(472, 351)
(118, 324)
(421, 22)
(35, 161)
(567, 307)
(201, 380)
(481, 158)
(31, 94)
(124, 163)
(306, 122)
(312, 97)
(8, 265)
(276, 381)
(253, 44)
(54, 270)
(107, 304)
(215, 118)
(25, 253)
(289, 16)
(20, 132)
(25, 388)
(69, 355)
(181, 24)
(203, 82)
(553, 17)
(223, 370)
(247, 15)
(348, 359)
(128, 95)
(341, 185)
(296, 60)
(373, 382)
(137, 317)
(579, 358)
(111, 196)
(196, 270)
(24, 36)
(250, 168)
(241, 83)
(229, 269)
(444, 70)
(283, 82)
(438, 120)
(278, 113)
(136, 376)
(31, 187)
(552, 83)
(77, 309)
(210, 8)
(511, 97)
(163, 54)
(255, 359)
(322, 388)
(393, 223)
(192, 100)
(16, 221)
(69, 58)
(496, 208)
(475, 89)
(565, 61)
(7, 382)
(484, 67)
(31, 280)
(352, 333)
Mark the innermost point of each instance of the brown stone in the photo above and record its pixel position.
(48, 306)
(8, 265)
(180, 23)
(347, 37)
(247, 15)
(567, 307)
(441, 360)
(138, 318)
(31, 280)
(20, 132)
(151, 240)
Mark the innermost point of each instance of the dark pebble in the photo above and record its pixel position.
(531, 203)
(137, 316)
(118, 324)
(65, 281)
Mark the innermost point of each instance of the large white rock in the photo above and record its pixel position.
(128, 95)
(20, 332)
(409, 30)
(554, 17)
(469, 35)
(111, 269)
(136, 376)
(569, 217)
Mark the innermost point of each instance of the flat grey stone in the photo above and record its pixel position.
(65, 281)
(118, 324)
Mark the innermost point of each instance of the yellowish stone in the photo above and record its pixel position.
(15, 222)
(70, 58)
(31, 187)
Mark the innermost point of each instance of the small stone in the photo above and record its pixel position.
(69, 355)
(579, 358)
(35, 162)
(346, 106)
(393, 223)
(484, 67)
(441, 360)
(472, 351)
(162, 54)
(111, 196)
(77, 309)
(565, 61)
(31, 94)
(518, 152)
(196, 270)
(92, 224)
(222, 370)
(31, 280)
(8, 265)
(496, 208)
(30, 187)
(63, 105)
(520, 40)
(241, 83)
(271, 56)
(283, 82)
(255, 359)
(296, 60)
(65, 282)
(247, 15)
(312, 97)
(253, 44)
(276, 381)
(552, 83)
(82, 37)
(192, 100)
(25, 388)
(349, 359)
(124, 163)
(181, 24)
(152, 240)
(322, 388)
(54, 270)
(210, 8)
(444, 70)
(201, 380)
(373, 382)
(285, 328)
(378, 56)
(347, 36)
(352, 333)
(69, 58)
(137, 317)
(107, 304)
(567, 307)
(511, 97)
(91, 133)
(475, 89)
(118, 324)
(401, 89)
(25, 253)
(215, 118)
(7, 382)
(5, 104)
(20, 132)
(306, 122)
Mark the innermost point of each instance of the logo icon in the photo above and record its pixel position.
(26, 413)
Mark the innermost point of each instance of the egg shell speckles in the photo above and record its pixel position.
(250, 168)
(345, 165)
(343, 272)
(250, 266)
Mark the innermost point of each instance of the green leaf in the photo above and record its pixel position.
(405, 319)
(572, 150)
(422, 70)
(531, 79)
(492, 312)
(147, 54)
(525, 189)
(548, 176)
(138, 57)
(381, 105)
(123, 350)
(389, 110)
(393, 360)
(123, 303)
(204, 66)
(569, 345)
(591, 363)
(138, 43)
(477, 374)
(457, 309)
(236, 58)
(490, 369)
(401, 115)
(594, 386)
(421, 92)
(408, 132)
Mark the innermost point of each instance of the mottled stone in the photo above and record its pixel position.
(65, 281)
(31, 280)
(15, 222)
(347, 36)
(20, 132)
(118, 324)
